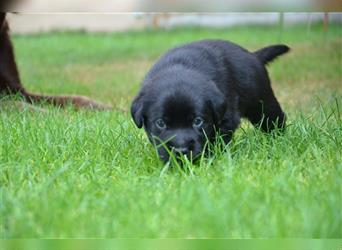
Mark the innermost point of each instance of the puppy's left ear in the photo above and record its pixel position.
(136, 111)
(218, 105)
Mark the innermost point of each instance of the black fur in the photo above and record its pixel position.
(213, 80)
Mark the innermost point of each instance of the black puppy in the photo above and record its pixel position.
(204, 87)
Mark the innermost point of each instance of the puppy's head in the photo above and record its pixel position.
(179, 113)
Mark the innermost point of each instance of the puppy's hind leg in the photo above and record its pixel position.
(267, 114)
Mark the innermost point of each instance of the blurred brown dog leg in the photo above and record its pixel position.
(62, 101)
(10, 80)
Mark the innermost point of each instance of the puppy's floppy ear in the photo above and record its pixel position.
(218, 105)
(136, 111)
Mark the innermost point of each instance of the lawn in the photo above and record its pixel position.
(94, 174)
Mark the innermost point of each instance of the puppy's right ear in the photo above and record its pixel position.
(136, 111)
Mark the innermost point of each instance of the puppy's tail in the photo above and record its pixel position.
(269, 53)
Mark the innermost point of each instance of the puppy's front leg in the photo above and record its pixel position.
(228, 125)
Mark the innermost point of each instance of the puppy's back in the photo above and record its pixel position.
(206, 56)
(221, 61)
(231, 67)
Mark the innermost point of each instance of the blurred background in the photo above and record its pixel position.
(106, 55)
(171, 6)
(108, 22)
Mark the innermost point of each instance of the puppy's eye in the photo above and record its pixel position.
(197, 122)
(160, 124)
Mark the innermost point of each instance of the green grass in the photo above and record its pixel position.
(93, 174)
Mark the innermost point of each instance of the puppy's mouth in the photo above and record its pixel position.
(181, 151)
(179, 154)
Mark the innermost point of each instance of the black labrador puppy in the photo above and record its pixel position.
(203, 88)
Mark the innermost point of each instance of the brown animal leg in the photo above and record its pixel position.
(10, 80)
(77, 102)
